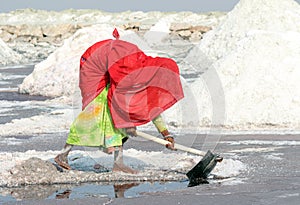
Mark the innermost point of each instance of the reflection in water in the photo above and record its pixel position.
(71, 191)
(32, 192)
(63, 195)
(119, 191)
(121, 188)
(197, 181)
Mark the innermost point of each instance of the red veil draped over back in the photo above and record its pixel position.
(140, 86)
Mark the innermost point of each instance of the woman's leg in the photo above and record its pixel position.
(119, 165)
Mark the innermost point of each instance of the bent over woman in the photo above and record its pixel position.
(121, 88)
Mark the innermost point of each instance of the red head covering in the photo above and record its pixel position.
(141, 87)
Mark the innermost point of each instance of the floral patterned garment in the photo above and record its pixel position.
(94, 126)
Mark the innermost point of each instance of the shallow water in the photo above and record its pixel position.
(11, 109)
(89, 190)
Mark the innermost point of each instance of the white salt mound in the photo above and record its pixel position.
(268, 15)
(58, 74)
(7, 55)
(256, 54)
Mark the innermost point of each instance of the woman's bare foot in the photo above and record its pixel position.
(62, 161)
(120, 167)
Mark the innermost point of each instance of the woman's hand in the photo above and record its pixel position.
(172, 144)
(131, 131)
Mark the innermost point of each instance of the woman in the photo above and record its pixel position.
(121, 88)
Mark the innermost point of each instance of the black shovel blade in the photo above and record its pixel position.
(199, 173)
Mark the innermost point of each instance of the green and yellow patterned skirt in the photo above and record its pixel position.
(94, 126)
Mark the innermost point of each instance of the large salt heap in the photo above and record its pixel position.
(58, 74)
(256, 53)
(267, 15)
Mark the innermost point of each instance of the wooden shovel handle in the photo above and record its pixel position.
(165, 142)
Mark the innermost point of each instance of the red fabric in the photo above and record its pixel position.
(93, 71)
(141, 87)
(116, 34)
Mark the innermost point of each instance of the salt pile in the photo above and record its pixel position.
(256, 54)
(266, 15)
(58, 74)
(7, 55)
(34, 167)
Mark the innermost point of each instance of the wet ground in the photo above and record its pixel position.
(10, 78)
(272, 175)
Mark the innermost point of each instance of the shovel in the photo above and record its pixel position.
(199, 173)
